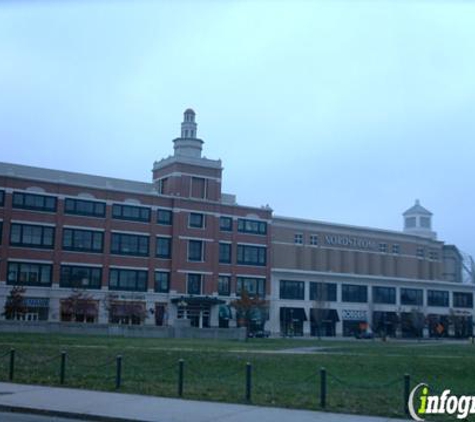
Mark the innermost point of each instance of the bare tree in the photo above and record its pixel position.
(79, 306)
(319, 309)
(418, 321)
(15, 307)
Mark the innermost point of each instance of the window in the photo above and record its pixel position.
(29, 274)
(131, 212)
(30, 201)
(193, 284)
(163, 186)
(252, 226)
(195, 250)
(225, 224)
(251, 255)
(410, 222)
(420, 252)
(80, 277)
(1, 231)
(196, 220)
(83, 207)
(2, 198)
(298, 238)
(411, 297)
(164, 217)
(224, 253)
(462, 300)
(224, 285)
(383, 247)
(354, 293)
(292, 289)
(198, 187)
(425, 222)
(164, 247)
(433, 255)
(438, 298)
(396, 248)
(323, 291)
(162, 281)
(129, 244)
(32, 236)
(131, 280)
(83, 240)
(253, 286)
(314, 239)
(384, 295)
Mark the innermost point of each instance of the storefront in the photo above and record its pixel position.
(127, 312)
(80, 310)
(323, 322)
(385, 323)
(291, 321)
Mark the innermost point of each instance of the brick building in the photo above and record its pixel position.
(96, 249)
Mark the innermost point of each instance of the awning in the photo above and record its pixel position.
(225, 312)
(197, 300)
(324, 315)
(127, 309)
(292, 314)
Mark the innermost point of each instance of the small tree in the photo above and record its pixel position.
(246, 307)
(418, 321)
(78, 305)
(124, 311)
(15, 306)
(319, 307)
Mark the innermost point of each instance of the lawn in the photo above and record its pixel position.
(364, 377)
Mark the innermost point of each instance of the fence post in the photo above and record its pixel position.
(181, 371)
(12, 364)
(323, 388)
(407, 388)
(118, 377)
(63, 367)
(248, 381)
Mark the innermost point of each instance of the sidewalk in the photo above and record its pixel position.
(96, 405)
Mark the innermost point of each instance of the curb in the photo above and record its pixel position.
(65, 414)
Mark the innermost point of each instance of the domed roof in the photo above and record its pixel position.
(189, 111)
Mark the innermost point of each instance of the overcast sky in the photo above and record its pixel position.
(342, 111)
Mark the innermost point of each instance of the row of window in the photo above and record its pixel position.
(90, 208)
(75, 276)
(27, 235)
(291, 289)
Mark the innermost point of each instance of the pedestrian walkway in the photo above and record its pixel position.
(97, 405)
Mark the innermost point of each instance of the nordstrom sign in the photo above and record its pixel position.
(350, 241)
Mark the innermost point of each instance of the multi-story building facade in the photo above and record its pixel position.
(97, 249)
(144, 252)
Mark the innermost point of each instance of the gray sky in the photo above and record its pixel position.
(342, 111)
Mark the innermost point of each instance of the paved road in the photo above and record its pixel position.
(21, 417)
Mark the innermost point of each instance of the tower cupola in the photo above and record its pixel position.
(188, 145)
(418, 221)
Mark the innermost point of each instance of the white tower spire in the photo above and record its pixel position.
(188, 145)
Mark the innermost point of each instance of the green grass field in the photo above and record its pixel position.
(364, 377)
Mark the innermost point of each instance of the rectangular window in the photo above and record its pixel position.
(129, 244)
(164, 247)
(195, 250)
(354, 293)
(224, 285)
(225, 224)
(130, 280)
(76, 276)
(396, 248)
(324, 292)
(433, 255)
(131, 212)
(83, 240)
(162, 281)
(298, 238)
(384, 295)
(32, 236)
(290, 289)
(84, 207)
(198, 187)
(193, 284)
(420, 252)
(383, 247)
(412, 297)
(251, 255)
(196, 220)
(164, 217)
(314, 239)
(438, 298)
(224, 253)
(30, 201)
(1, 231)
(252, 226)
(410, 222)
(2, 198)
(462, 300)
(29, 274)
(253, 286)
